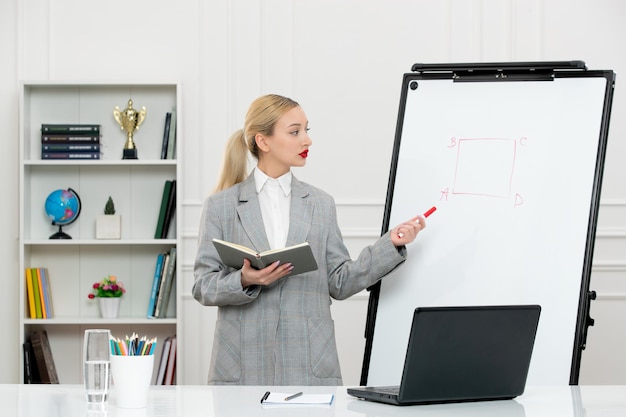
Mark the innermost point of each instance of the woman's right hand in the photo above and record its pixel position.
(265, 276)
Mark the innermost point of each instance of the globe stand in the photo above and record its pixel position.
(62, 211)
(60, 234)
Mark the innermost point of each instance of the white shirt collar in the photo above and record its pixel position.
(260, 179)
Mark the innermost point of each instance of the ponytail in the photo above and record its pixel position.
(235, 162)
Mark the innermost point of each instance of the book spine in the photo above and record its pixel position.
(28, 363)
(49, 360)
(47, 293)
(70, 147)
(157, 302)
(31, 294)
(163, 364)
(35, 376)
(166, 135)
(42, 301)
(85, 139)
(171, 142)
(36, 341)
(170, 210)
(70, 155)
(164, 294)
(75, 129)
(171, 363)
(155, 285)
(36, 295)
(162, 209)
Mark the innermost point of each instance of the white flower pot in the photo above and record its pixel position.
(109, 226)
(109, 307)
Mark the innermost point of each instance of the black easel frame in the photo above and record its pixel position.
(506, 72)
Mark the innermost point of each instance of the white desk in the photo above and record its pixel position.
(244, 401)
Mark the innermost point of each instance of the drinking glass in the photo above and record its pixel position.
(96, 349)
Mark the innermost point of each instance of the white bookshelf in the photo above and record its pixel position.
(136, 187)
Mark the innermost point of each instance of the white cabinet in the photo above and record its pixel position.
(136, 187)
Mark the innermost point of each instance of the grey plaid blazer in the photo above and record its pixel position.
(281, 334)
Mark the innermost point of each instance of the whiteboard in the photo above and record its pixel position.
(514, 169)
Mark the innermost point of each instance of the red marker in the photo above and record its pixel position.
(428, 213)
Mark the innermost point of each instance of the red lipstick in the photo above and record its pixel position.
(304, 154)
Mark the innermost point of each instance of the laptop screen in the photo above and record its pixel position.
(465, 353)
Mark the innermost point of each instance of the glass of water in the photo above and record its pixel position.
(97, 365)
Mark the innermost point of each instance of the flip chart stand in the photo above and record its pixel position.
(512, 155)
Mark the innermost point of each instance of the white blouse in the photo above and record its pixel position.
(275, 201)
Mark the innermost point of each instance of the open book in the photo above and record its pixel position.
(300, 256)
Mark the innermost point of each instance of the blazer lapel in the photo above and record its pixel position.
(301, 213)
(250, 216)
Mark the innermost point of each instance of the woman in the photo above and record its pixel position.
(273, 328)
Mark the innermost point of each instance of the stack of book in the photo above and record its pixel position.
(39, 367)
(38, 293)
(70, 141)
(162, 283)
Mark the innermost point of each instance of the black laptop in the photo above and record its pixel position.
(458, 354)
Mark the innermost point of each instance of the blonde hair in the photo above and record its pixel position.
(262, 115)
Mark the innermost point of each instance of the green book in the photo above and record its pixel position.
(170, 210)
(300, 256)
(163, 209)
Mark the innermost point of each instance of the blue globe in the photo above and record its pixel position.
(62, 208)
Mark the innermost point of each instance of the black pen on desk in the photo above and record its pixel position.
(291, 397)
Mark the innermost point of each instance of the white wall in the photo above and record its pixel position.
(343, 61)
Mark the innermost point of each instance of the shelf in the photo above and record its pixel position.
(136, 187)
(81, 320)
(100, 242)
(102, 162)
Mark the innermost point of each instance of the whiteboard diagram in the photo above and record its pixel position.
(475, 176)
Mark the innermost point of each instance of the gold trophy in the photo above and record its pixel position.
(129, 120)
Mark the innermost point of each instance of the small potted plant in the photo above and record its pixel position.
(109, 224)
(109, 292)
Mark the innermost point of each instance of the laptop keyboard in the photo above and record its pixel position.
(387, 390)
